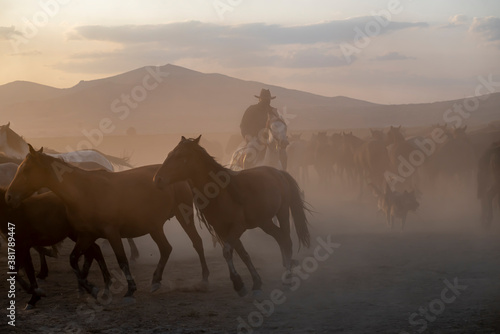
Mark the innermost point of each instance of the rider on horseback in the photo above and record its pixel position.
(258, 123)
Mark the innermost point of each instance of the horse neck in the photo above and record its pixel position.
(205, 173)
(64, 179)
(15, 146)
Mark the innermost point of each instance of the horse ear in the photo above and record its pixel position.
(183, 138)
(8, 125)
(197, 140)
(40, 150)
(32, 150)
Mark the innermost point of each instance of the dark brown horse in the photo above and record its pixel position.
(372, 162)
(237, 201)
(400, 152)
(488, 182)
(111, 205)
(38, 222)
(7, 172)
(349, 145)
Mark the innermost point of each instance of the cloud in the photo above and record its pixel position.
(487, 28)
(7, 33)
(456, 21)
(392, 56)
(246, 45)
(189, 33)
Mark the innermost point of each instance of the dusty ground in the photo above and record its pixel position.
(375, 281)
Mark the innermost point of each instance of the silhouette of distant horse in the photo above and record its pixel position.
(110, 205)
(488, 182)
(239, 200)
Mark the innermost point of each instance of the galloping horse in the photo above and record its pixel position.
(41, 221)
(488, 182)
(239, 200)
(14, 146)
(103, 204)
(7, 173)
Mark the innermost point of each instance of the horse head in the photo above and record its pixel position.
(32, 174)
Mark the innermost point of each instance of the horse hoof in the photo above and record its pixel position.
(242, 292)
(128, 300)
(29, 307)
(40, 292)
(94, 292)
(258, 295)
(155, 286)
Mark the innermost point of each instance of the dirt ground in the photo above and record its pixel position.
(441, 275)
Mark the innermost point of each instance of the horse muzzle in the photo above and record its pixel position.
(12, 199)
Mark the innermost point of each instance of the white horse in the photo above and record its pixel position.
(14, 146)
(263, 150)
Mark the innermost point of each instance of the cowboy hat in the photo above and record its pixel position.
(265, 94)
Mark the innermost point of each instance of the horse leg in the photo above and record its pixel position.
(134, 252)
(35, 292)
(487, 206)
(190, 229)
(44, 269)
(165, 250)
(94, 252)
(117, 245)
(282, 236)
(257, 281)
(238, 284)
(83, 242)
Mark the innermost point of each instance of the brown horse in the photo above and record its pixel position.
(372, 162)
(7, 173)
(488, 182)
(109, 205)
(38, 222)
(400, 151)
(349, 145)
(237, 201)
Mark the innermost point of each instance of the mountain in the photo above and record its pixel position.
(173, 99)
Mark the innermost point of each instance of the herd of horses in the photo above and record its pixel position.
(51, 196)
(432, 159)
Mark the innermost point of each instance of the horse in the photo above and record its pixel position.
(237, 201)
(299, 158)
(349, 144)
(400, 149)
(372, 162)
(102, 204)
(488, 182)
(324, 158)
(264, 149)
(455, 160)
(14, 146)
(7, 173)
(38, 222)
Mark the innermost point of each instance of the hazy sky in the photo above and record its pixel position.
(392, 51)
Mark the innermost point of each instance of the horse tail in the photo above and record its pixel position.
(298, 207)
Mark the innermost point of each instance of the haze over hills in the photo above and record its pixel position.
(173, 99)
